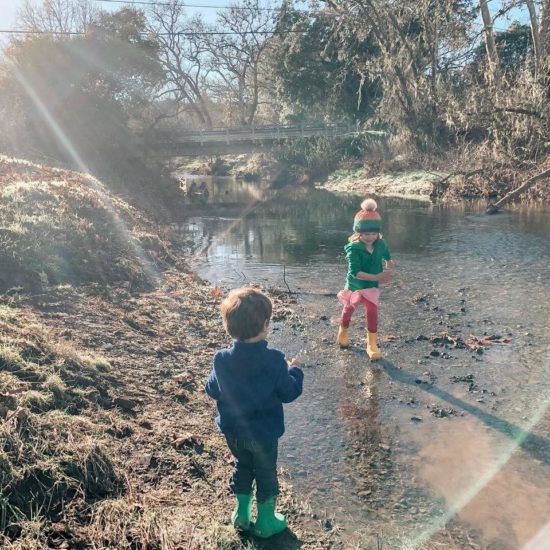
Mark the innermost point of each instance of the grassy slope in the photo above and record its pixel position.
(106, 437)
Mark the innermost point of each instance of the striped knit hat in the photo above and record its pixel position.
(367, 220)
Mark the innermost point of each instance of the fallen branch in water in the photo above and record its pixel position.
(494, 208)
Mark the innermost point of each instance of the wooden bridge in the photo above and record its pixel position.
(219, 141)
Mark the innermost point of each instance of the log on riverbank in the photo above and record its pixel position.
(494, 208)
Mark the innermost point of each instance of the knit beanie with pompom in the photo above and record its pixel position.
(367, 220)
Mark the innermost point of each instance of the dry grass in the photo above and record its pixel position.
(122, 523)
(59, 226)
(48, 457)
(106, 437)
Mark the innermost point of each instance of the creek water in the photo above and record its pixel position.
(437, 445)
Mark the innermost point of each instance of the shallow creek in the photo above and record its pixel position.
(438, 445)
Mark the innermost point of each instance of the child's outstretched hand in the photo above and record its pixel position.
(294, 362)
(385, 276)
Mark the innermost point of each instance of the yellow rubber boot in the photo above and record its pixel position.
(372, 348)
(342, 339)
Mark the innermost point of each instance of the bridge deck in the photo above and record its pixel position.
(240, 139)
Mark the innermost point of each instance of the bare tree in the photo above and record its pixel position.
(183, 51)
(534, 32)
(490, 45)
(60, 16)
(236, 57)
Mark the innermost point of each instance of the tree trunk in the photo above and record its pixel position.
(534, 32)
(544, 30)
(494, 208)
(490, 44)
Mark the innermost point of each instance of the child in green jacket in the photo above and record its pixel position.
(369, 263)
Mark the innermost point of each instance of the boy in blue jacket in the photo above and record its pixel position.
(250, 383)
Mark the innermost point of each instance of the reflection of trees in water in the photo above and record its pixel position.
(225, 191)
(300, 224)
(295, 224)
(307, 218)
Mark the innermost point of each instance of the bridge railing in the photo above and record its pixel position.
(254, 133)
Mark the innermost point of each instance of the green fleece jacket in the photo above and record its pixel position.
(360, 259)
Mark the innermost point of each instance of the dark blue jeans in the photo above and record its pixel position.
(254, 460)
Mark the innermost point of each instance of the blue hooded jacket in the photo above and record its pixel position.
(250, 383)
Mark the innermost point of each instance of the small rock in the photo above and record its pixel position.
(125, 403)
(184, 377)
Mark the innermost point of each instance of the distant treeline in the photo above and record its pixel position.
(437, 75)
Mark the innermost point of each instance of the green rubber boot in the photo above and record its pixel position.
(242, 513)
(269, 522)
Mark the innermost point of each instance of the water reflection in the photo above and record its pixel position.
(223, 190)
(303, 226)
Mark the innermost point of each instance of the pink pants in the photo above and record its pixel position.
(351, 299)
(372, 315)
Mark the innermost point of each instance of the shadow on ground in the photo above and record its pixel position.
(286, 540)
(537, 446)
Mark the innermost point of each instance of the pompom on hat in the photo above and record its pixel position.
(367, 220)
